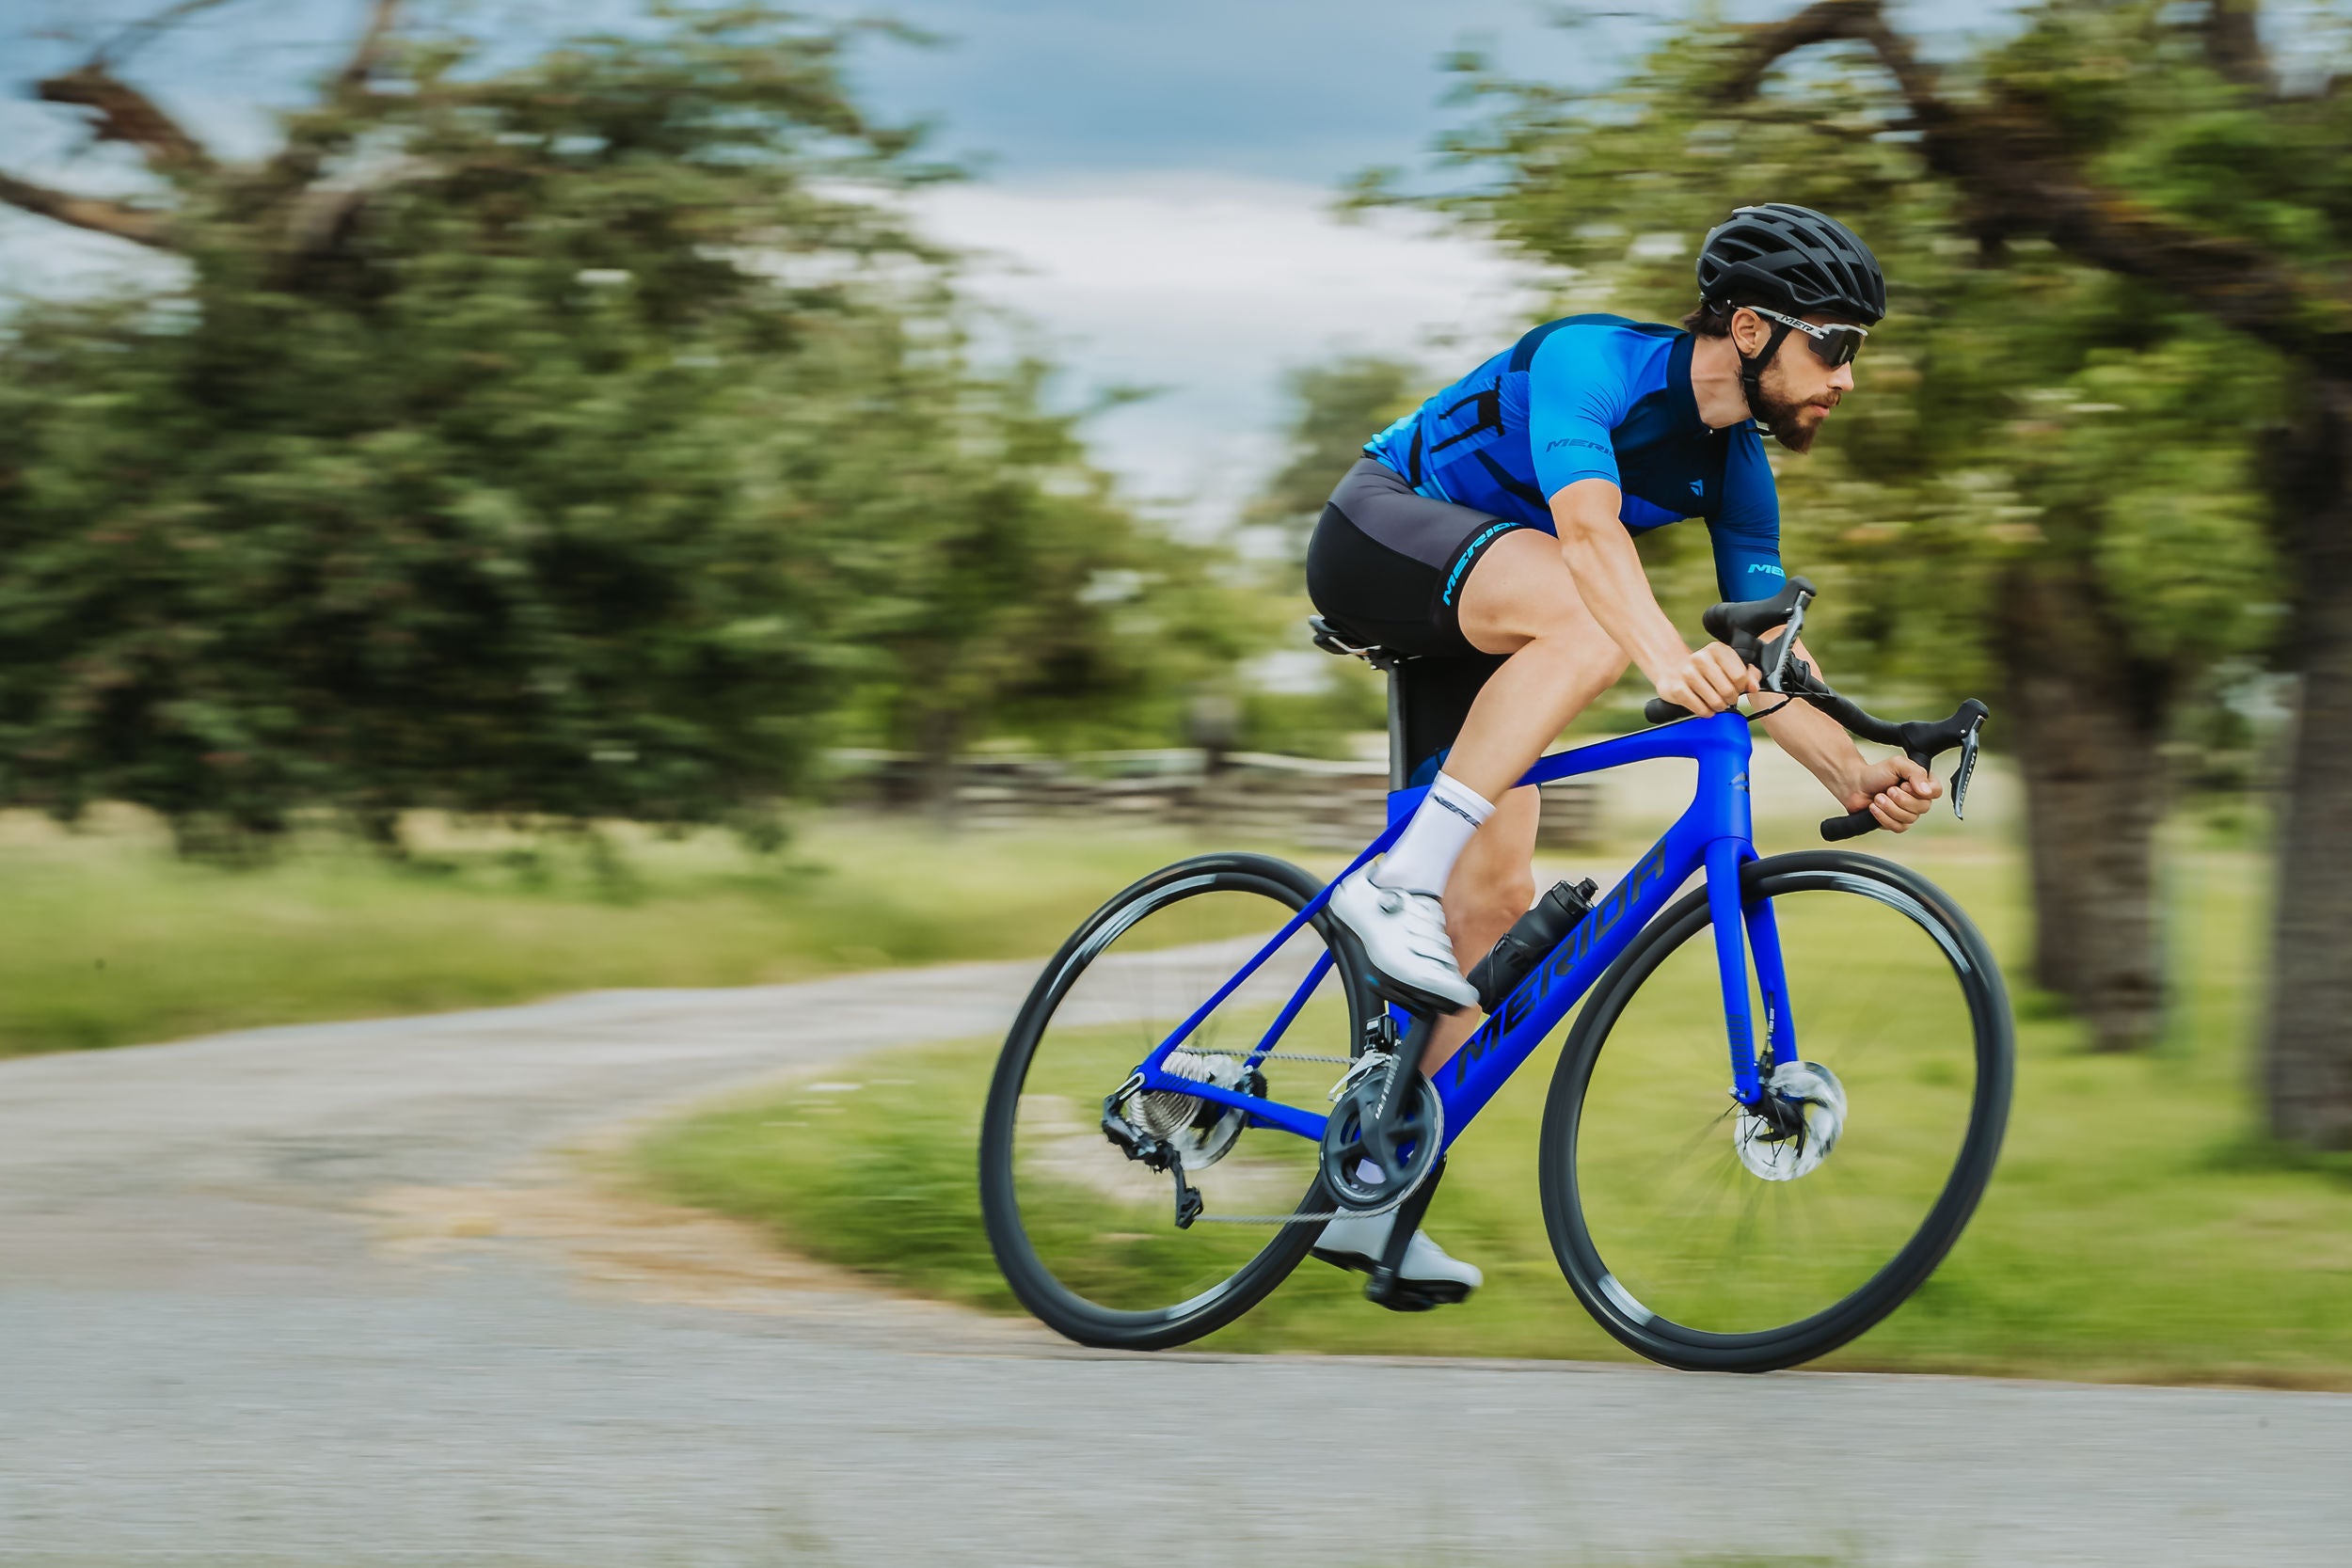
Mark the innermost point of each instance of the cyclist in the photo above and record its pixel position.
(1493, 526)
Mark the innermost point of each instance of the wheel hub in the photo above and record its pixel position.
(1199, 1131)
(1790, 1137)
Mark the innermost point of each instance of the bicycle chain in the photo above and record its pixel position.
(1437, 1111)
(1388, 1208)
(1273, 1056)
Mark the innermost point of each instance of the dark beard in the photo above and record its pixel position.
(1783, 417)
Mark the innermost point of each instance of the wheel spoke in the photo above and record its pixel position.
(1754, 1265)
(1087, 1234)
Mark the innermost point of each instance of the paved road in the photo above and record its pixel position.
(250, 1314)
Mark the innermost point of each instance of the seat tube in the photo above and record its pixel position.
(1725, 857)
(1397, 760)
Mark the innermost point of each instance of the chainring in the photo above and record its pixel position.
(1402, 1152)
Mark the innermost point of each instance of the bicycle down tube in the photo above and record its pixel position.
(1714, 834)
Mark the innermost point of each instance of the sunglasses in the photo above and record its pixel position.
(1832, 345)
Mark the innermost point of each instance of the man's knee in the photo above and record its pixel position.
(1569, 630)
(1591, 647)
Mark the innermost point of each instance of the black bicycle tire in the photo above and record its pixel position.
(1033, 1284)
(1809, 1338)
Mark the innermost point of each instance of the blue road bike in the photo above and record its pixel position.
(1756, 1147)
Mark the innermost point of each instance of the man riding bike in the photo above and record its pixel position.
(1493, 528)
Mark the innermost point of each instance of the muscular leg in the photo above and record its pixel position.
(1520, 601)
(1492, 885)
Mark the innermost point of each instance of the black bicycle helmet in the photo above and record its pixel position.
(1792, 259)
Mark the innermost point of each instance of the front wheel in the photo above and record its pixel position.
(1706, 1238)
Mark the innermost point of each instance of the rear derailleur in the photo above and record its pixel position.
(1161, 1128)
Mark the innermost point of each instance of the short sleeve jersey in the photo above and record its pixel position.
(1597, 397)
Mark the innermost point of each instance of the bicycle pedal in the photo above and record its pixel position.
(1420, 1004)
(1399, 1294)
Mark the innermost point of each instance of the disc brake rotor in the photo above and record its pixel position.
(1776, 1152)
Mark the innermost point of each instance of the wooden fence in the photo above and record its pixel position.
(1253, 795)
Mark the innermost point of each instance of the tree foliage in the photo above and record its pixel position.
(2049, 482)
(569, 436)
(2015, 407)
(1336, 407)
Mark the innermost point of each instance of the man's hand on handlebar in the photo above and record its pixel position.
(1710, 680)
(1892, 794)
(1898, 792)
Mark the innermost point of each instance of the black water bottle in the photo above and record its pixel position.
(1532, 935)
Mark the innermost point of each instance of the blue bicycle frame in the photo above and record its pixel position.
(1713, 835)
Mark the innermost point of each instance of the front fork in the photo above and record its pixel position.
(1731, 916)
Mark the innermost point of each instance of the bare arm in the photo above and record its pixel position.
(1608, 572)
(1898, 791)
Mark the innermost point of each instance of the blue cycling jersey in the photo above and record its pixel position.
(1597, 397)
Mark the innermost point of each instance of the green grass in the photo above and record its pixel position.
(108, 939)
(2137, 1229)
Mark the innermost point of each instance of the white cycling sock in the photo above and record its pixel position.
(1423, 855)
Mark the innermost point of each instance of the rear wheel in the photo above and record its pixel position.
(1087, 1237)
(1712, 1240)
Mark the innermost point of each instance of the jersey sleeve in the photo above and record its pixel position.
(1745, 528)
(1577, 392)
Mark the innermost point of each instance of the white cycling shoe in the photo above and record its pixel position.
(1404, 937)
(1428, 1276)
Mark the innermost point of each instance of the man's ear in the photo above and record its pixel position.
(1748, 331)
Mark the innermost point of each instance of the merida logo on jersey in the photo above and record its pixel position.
(1574, 441)
(1766, 568)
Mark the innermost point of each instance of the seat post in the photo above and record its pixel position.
(1398, 760)
(1402, 740)
(1428, 701)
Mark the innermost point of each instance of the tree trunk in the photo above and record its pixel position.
(2307, 1044)
(2084, 722)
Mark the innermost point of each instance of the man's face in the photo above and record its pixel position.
(1798, 391)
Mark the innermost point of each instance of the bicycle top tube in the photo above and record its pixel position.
(1724, 734)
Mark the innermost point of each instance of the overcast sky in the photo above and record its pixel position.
(1155, 184)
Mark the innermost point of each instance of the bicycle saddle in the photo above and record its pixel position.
(1331, 640)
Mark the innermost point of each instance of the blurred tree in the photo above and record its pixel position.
(510, 446)
(2047, 479)
(1335, 408)
(996, 583)
(2156, 142)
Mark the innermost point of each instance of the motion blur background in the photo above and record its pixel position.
(503, 499)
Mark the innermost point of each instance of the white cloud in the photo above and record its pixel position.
(1211, 287)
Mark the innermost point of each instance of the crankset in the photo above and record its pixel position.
(1386, 1130)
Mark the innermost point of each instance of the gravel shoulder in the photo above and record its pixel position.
(338, 1294)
